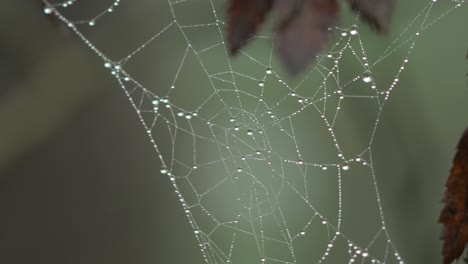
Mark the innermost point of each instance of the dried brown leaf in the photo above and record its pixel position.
(303, 30)
(244, 18)
(302, 27)
(454, 215)
(377, 13)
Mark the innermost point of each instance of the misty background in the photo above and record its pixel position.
(80, 182)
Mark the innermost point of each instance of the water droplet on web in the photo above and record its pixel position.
(249, 132)
(48, 10)
(345, 167)
(353, 30)
(302, 232)
(324, 168)
(239, 169)
(232, 119)
(155, 102)
(261, 83)
(367, 77)
(269, 70)
(164, 170)
(91, 23)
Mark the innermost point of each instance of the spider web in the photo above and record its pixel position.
(267, 168)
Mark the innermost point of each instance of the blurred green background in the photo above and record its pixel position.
(80, 182)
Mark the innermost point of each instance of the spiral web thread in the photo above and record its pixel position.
(243, 147)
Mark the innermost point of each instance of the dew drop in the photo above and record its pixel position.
(367, 77)
(353, 30)
(164, 170)
(345, 167)
(48, 10)
(269, 70)
(261, 83)
(91, 23)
